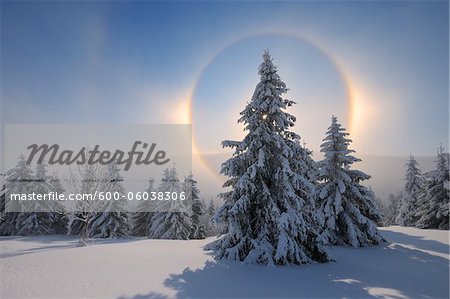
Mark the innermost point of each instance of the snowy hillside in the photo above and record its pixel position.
(414, 264)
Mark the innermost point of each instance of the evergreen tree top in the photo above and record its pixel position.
(412, 162)
(335, 147)
(268, 72)
(190, 186)
(170, 175)
(190, 178)
(413, 175)
(20, 175)
(41, 171)
(21, 166)
(170, 180)
(265, 112)
(412, 169)
(442, 160)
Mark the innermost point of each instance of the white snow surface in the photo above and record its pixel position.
(413, 264)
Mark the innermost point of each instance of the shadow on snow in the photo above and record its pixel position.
(57, 242)
(385, 271)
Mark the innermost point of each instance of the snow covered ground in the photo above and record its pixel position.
(415, 264)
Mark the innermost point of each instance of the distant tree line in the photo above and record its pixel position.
(113, 221)
(424, 200)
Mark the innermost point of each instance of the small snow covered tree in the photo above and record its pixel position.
(198, 230)
(87, 182)
(142, 218)
(410, 194)
(382, 208)
(348, 209)
(309, 167)
(172, 218)
(433, 207)
(18, 180)
(264, 212)
(112, 221)
(391, 209)
(213, 228)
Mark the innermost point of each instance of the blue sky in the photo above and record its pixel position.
(139, 61)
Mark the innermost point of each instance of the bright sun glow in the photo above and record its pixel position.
(356, 111)
(362, 112)
(182, 112)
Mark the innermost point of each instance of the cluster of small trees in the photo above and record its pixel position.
(283, 207)
(180, 220)
(102, 219)
(424, 200)
(23, 180)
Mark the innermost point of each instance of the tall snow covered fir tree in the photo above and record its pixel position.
(264, 212)
(198, 230)
(142, 218)
(172, 218)
(112, 222)
(434, 200)
(347, 209)
(408, 204)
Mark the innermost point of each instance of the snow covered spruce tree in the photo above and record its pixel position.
(264, 212)
(309, 167)
(348, 211)
(42, 218)
(112, 222)
(142, 218)
(198, 230)
(213, 228)
(172, 218)
(382, 208)
(433, 207)
(391, 209)
(17, 181)
(410, 194)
